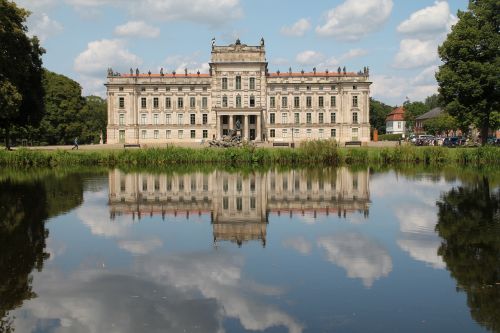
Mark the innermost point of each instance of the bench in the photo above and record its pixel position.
(131, 145)
(353, 143)
(281, 144)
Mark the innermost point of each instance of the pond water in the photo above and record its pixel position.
(328, 250)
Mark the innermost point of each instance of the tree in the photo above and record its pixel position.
(440, 124)
(94, 117)
(412, 111)
(468, 222)
(378, 113)
(433, 101)
(469, 78)
(10, 100)
(20, 68)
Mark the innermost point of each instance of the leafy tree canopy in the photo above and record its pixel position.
(412, 111)
(441, 124)
(470, 75)
(378, 113)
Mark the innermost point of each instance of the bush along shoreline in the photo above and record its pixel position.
(314, 152)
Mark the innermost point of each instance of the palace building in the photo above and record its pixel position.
(238, 93)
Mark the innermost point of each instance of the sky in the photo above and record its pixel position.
(396, 39)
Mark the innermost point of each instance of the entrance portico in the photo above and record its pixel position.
(247, 123)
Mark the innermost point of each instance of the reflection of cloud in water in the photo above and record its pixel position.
(95, 215)
(300, 244)
(161, 294)
(417, 224)
(360, 256)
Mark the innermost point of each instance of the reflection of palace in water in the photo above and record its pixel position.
(240, 204)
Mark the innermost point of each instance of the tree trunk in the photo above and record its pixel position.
(484, 133)
(7, 138)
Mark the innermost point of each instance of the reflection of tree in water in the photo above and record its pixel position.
(24, 207)
(469, 223)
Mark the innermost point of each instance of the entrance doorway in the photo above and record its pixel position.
(252, 134)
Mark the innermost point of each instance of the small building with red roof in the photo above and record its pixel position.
(395, 122)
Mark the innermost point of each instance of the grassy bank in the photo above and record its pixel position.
(315, 152)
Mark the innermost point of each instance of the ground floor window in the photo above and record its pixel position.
(296, 132)
(193, 134)
(168, 134)
(121, 136)
(143, 134)
(333, 133)
(156, 134)
(284, 133)
(180, 134)
(321, 133)
(309, 133)
(354, 134)
(205, 134)
(272, 133)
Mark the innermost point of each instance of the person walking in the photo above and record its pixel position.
(75, 144)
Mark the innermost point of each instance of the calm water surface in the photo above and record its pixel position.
(333, 250)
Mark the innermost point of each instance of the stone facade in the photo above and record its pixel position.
(238, 94)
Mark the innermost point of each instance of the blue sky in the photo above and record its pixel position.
(397, 39)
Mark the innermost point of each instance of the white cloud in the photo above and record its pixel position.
(137, 29)
(180, 62)
(142, 246)
(300, 244)
(427, 76)
(42, 26)
(298, 29)
(92, 63)
(355, 19)
(353, 53)
(309, 57)
(360, 256)
(415, 53)
(212, 12)
(429, 22)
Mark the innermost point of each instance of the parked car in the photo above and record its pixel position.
(453, 141)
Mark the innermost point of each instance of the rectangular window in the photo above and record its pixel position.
(321, 101)
(156, 103)
(333, 101)
(192, 102)
(333, 133)
(309, 133)
(224, 101)
(297, 118)
(168, 119)
(156, 118)
(192, 119)
(168, 134)
(354, 117)
(296, 102)
(156, 134)
(143, 134)
(143, 102)
(272, 118)
(321, 133)
(121, 102)
(180, 119)
(252, 83)
(284, 102)
(272, 102)
(193, 134)
(355, 101)
(309, 101)
(180, 103)
(320, 118)
(354, 87)
(179, 89)
(204, 102)
(238, 83)
(252, 101)
(168, 103)
(180, 134)
(272, 133)
(224, 83)
(284, 133)
(238, 101)
(354, 134)
(284, 118)
(143, 118)
(205, 134)
(308, 118)
(122, 119)
(333, 117)
(205, 118)
(296, 132)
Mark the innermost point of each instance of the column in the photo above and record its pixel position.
(217, 127)
(246, 129)
(231, 126)
(258, 134)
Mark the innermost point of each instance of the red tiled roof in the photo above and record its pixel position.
(178, 75)
(398, 114)
(329, 74)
